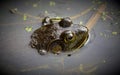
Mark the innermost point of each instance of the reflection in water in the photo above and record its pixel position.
(35, 68)
(110, 34)
(91, 38)
(59, 64)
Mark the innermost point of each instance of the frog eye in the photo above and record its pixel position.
(65, 22)
(68, 36)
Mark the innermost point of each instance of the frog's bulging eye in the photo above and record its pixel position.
(65, 22)
(68, 36)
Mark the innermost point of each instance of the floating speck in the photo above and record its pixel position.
(51, 3)
(103, 13)
(81, 23)
(101, 34)
(35, 5)
(24, 17)
(114, 33)
(28, 29)
(46, 12)
(81, 67)
(103, 18)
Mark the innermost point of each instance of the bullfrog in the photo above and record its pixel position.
(58, 36)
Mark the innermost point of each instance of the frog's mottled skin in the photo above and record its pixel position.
(57, 37)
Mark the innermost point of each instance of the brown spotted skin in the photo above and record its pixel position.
(49, 39)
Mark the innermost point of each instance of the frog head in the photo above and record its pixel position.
(69, 36)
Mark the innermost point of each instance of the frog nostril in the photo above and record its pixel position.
(84, 29)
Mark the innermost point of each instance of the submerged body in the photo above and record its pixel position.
(57, 37)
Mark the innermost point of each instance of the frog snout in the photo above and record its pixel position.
(83, 29)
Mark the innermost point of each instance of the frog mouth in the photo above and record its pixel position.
(81, 42)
